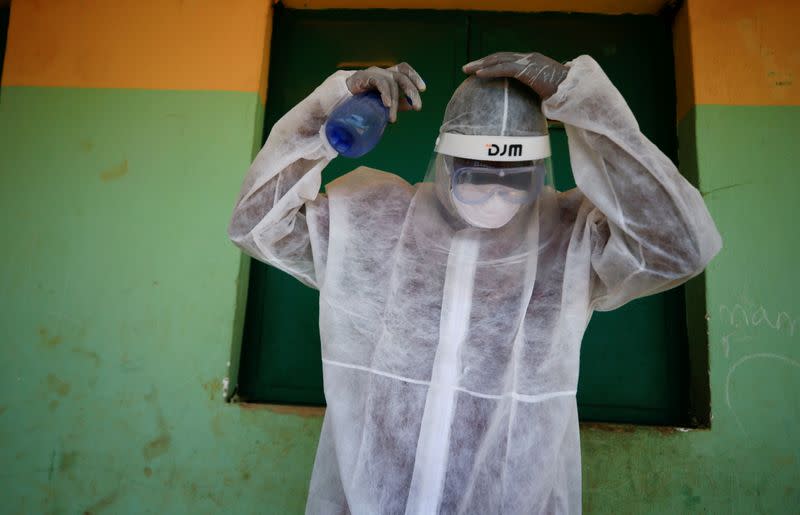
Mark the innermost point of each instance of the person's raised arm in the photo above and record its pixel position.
(280, 217)
(649, 228)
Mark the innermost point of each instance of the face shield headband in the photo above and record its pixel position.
(494, 148)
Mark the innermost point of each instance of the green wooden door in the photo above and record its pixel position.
(634, 360)
(280, 353)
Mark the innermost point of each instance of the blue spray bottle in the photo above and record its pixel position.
(356, 125)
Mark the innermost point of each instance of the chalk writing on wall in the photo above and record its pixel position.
(742, 323)
(739, 317)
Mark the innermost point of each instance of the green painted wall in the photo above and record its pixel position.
(749, 461)
(118, 297)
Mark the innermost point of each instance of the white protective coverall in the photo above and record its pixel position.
(450, 354)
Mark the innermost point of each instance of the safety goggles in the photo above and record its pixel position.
(517, 185)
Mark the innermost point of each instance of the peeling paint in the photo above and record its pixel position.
(67, 461)
(213, 387)
(50, 341)
(115, 172)
(159, 445)
(630, 428)
(102, 504)
(281, 409)
(610, 428)
(88, 354)
(57, 385)
(226, 384)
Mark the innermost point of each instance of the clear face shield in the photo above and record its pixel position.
(487, 180)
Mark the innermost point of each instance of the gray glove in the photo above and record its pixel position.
(389, 82)
(539, 72)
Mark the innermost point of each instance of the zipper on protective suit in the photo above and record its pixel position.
(430, 462)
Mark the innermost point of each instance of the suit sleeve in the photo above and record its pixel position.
(650, 229)
(280, 217)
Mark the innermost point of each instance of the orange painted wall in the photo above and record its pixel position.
(164, 44)
(745, 52)
(734, 52)
(198, 45)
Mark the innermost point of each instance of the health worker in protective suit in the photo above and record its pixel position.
(452, 311)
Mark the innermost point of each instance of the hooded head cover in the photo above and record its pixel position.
(488, 120)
